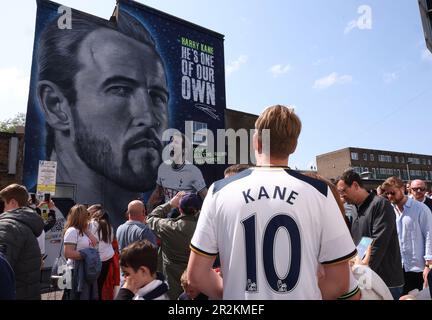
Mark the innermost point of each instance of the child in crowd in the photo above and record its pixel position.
(189, 293)
(138, 262)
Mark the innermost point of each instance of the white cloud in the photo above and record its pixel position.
(332, 79)
(389, 77)
(235, 65)
(14, 88)
(426, 55)
(279, 69)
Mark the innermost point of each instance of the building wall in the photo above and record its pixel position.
(241, 120)
(380, 164)
(5, 177)
(333, 164)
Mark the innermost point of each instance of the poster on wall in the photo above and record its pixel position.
(104, 92)
(46, 181)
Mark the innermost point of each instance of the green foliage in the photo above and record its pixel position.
(9, 125)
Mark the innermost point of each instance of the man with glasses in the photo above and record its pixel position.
(414, 227)
(374, 218)
(418, 191)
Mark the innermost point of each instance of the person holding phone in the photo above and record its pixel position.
(45, 209)
(374, 218)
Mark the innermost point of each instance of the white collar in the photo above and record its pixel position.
(147, 288)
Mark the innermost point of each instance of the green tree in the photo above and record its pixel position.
(10, 124)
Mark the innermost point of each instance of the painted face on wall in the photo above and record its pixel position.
(121, 108)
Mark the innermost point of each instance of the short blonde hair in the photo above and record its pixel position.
(392, 182)
(285, 127)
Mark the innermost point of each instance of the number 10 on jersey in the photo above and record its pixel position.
(278, 284)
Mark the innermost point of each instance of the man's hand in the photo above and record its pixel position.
(366, 258)
(131, 284)
(175, 202)
(425, 275)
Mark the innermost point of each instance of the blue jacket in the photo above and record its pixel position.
(7, 280)
(86, 273)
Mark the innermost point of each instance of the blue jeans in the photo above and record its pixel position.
(396, 292)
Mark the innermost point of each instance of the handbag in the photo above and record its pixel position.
(61, 273)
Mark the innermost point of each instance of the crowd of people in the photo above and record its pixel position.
(262, 232)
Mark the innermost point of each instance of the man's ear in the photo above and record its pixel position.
(54, 104)
(294, 147)
(355, 185)
(257, 144)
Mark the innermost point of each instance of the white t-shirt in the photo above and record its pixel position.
(271, 227)
(41, 242)
(187, 178)
(72, 236)
(106, 250)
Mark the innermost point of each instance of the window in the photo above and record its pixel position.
(386, 172)
(396, 159)
(365, 156)
(402, 160)
(354, 155)
(397, 173)
(384, 158)
(414, 160)
(429, 162)
(357, 170)
(199, 133)
(372, 157)
(424, 161)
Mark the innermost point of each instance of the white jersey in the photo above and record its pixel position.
(187, 178)
(271, 228)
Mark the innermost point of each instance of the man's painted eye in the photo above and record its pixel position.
(158, 97)
(121, 91)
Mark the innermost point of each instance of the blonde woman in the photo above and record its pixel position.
(76, 236)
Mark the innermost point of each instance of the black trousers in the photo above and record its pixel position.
(413, 280)
(102, 276)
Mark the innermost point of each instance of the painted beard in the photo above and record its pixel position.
(132, 168)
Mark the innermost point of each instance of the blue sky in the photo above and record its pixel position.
(362, 85)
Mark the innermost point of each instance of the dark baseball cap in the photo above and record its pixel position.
(190, 201)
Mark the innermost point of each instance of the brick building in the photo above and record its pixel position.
(376, 165)
(11, 157)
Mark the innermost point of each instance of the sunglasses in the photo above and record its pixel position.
(418, 189)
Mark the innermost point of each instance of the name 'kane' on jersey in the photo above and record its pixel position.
(272, 227)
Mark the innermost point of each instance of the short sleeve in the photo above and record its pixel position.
(71, 236)
(204, 239)
(336, 242)
(198, 181)
(159, 176)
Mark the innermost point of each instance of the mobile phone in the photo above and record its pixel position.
(47, 197)
(362, 247)
(33, 198)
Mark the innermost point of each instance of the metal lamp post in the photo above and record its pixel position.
(408, 170)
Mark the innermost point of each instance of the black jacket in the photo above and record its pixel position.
(19, 229)
(375, 218)
(428, 202)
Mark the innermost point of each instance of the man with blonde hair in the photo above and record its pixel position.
(271, 226)
(414, 227)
